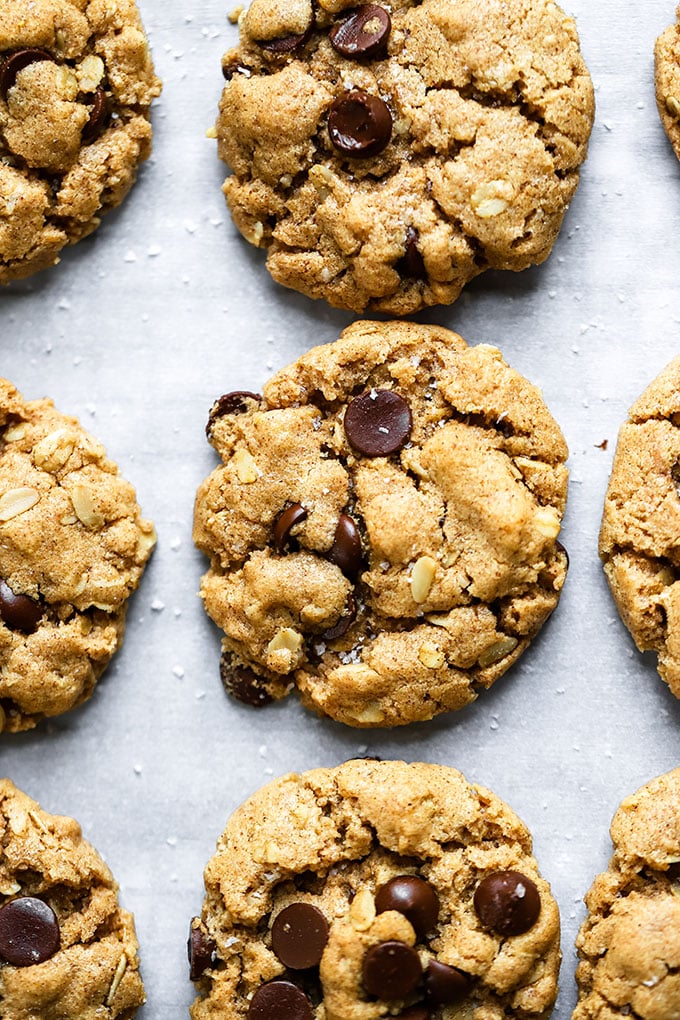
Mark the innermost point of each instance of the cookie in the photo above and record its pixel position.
(629, 945)
(667, 82)
(76, 85)
(374, 889)
(384, 155)
(72, 549)
(641, 523)
(383, 528)
(68, 951)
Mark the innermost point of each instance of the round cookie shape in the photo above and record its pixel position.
(68, 951)
(73, 546)
(641, 521)
(331, 839)
(667, 82)
(384, 155)
(629, 944)
(390, 565)
(76, 86)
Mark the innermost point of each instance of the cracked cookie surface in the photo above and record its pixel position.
(382, 531)
(667, 81)
(73, 546)
(317, 873)
(76, 85)
(386, 155)
(629, 944)
(68, 951)
(641, 522)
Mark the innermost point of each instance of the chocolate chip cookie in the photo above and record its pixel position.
(374, 889)
(667, 82)
(641, 523)
(383, 530)
(76, 85)
(629, 944)
(68, 951)
(386, 154)
(72, 549)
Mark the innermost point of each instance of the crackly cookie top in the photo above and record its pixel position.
(667, 82)
(68, 951)
(629, 944)
(385, 154)
(641, 523)
(76, 84)
(374, 889)
(73, 546)
(382, 531)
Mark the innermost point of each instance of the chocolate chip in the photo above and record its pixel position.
(363, 34)
(200, 950)
(411, 263)
(344, 623)
(507, 902)
(283, 524)
(391, 970)
(444, 984)
(280, 1000)
(414, 898)
(346, 549)
(378, 423)
(299, 936)
(29, 932)
(230, 403)
(287, 43)
(99, 116)
(414, 1013)
(244, 684)
(19, 612)
(16, 62)
(359, 124)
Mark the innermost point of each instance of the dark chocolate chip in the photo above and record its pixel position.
(99, 116)
(378, 423)
(363, 34)
(19, 612)
(359, 124)
(344, 623)
(29, 932)
(244, 684)
(507, 902)
(16, 62)
(280, 1000)
(444, 984)
(299, 936)
(230, 403)
(411, 263)
(286, 43)
(391, 970)
(283, 524)
(346, 549)
(200, 950)
(414, 1013)
(414, 898)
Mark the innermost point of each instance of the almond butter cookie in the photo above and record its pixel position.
(382, 531)
(386, 154)
(76, 85)
(374, 889)
(667, 81)
(73, 546)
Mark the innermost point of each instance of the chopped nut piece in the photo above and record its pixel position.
(547, 522)
(246, 468)
(431, 656)
(52, 452)
(15, 432)
(673, 106)
(17, 501)
(85, 507)
(117, 978)
(90, 73)
(492, 198)
(362, 910)
(497, 651)
(422, 577)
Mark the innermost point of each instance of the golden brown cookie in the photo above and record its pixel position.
(629, 944)
(73, 546)
(68, 951)
(375, 889)
(383, 530)
(667, 81)
(76, 85)
(384, 155)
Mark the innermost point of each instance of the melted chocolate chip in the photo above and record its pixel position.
(280, 1000)
(16, 62)
(444, 984)
(359, 124)
(346, 549)
(283, 524)
(378, 423)
(200, 950)
(99, 116)
(29, 932)
(411, 263)
(507, 902)
(414, 898)
(344, 623)
(391, 970)
(299, 936)
(363, 34)
(286, 43)
(19, 612)
(414, 1013)
(244, 684)
(230, 403)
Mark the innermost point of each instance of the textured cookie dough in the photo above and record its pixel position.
(332, 839)
(72, 549)
(641, 523)
(486, 108)
(387, 588)
(629, 944)
(667, 82)
(76, 85)
(83, 943)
